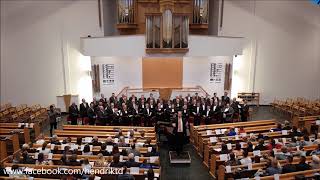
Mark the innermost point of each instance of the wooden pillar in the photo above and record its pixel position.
(36, 129)
(15, 142)
(3, 148)
(26, 133)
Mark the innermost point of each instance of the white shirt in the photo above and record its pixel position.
(180, 125)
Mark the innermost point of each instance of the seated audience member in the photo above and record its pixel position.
(66, 150)
(303, 166)
(241, 130)
(100, 162)
(273, 168)
(315, 163)
(115, 150)
(122, 142)
(256, 159)
(25, 147)
(103, 150)
(231, 132)
(40, 139)
(305, 132)
(316, 151)
(116, 161)
(125, 175)
(86, 167)
(293, 142)
(237, 150)
(79, 141)
(41, 160)
(224, 149)
(278, 128)
(147, 143)
(273, 145)
(54, 140)
(142, 134)
(133, 150)
(119, 134)
(245, 160)
(306, 141)
(153, 152)
(67, 141)
(109, 141)
(145, 165)
(73, 161)
(260, 146)
(131, 162)
(232, 161)
(300, 152)
(283, 154)
(26, 159)
(295, 132)
(287, 125)
(95, 141)
(249, 147)
(86, 150)
(150, 174)
(44, 149)
(289, 167)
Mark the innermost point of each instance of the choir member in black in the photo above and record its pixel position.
(171, 110)
(203, 104)
(84, 106)
(185, 112)
(133, 104)
(215, 98)
(189, 98)
(142, 105)
(217, 116)
(148, 115)
(179, 130)
(142, 98)
(73, 113)
(197, 97)
(244, 111)
(225, 99)
(136, 116)
(227, 113)
(102, 116)
(178, 104)
(124, 114)
(91, 114)
(150, 98)
(95, 102)
(236, 108)
(196, 112)
(152, 104)
(207, 115)
(113, 99)
(133, 97)
(159, 113)
(122, 99)
(103, 99)
(115, 117)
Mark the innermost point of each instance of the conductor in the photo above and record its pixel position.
(179, 131)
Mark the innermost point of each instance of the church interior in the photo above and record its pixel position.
(160, 89)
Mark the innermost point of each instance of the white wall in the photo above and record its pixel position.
(128, 72)
(281, 58)
(196, 71)
(134, 45)
(40, 49)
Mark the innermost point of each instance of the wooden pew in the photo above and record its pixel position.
(304, 121)
(64, 133)
(106, 128)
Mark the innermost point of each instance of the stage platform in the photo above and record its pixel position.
(184, 157)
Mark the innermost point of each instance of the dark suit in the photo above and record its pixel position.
(179, 136)
(148, 117)
(208, 114)
(197, 111)
(92, 116)
(217, 115)
(84, 110)
(225, 100)
(244, 113)
(73, 114)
